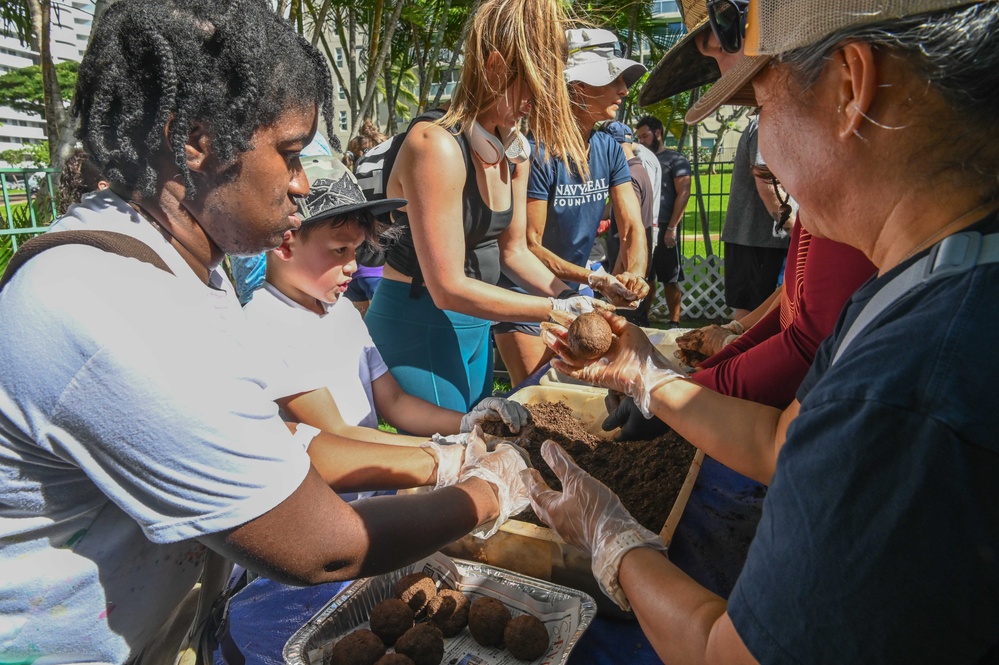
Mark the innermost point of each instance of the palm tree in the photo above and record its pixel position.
(31, 22)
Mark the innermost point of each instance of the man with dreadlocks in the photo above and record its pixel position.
(133, 433)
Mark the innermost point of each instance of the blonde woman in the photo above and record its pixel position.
(465, 177)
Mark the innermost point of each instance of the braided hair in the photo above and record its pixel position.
(232, 66)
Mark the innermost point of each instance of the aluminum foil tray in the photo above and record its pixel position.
(348, 610)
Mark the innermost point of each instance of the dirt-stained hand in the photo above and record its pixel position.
(634, 283)
(619, 294)
(512, 414)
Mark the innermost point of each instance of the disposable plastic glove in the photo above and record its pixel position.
(513, 415)
(577, 305)
(624, 413)
(501, 468)
(612, 287)
(734, 327)
(587, 514)
(449, 452)
(705, 342)
(632, 365)
(635, 283)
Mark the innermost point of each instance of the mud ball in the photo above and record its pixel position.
(361, 647)
(390, 619)
(394, 659)
(416, 590)
(526, 637)
(487, 618)
(423, 643)
(449, 611)
(589, 336)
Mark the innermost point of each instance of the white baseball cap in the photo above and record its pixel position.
(596, 58)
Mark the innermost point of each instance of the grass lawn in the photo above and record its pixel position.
(714, 190)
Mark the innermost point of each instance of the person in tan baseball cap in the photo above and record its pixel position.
(879, 541)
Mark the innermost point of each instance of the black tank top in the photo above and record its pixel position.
(482, 226)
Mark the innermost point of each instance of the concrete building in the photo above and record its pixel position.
(71, 25)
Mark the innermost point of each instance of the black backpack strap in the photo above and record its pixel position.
(107, 241)
(954, 255)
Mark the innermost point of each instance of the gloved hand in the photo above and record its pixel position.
(587, 514)
(577, 305)
(513, 415)
(734, 327)
(635, 283)
(708, 340)
(609, 285)
(449, 453)
(624, 413)
(632, 366)
(501, 468)
(716, 338)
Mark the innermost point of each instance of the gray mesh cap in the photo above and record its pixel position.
(779, 26)
(333, 191)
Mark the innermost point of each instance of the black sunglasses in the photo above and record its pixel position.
(728, 22)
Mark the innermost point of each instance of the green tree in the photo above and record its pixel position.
(23, 90)
(727, 117)
(16, 18)
(31, 22)
(35, 154)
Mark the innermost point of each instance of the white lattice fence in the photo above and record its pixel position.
(703, 291)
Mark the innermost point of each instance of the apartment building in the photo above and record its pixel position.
(71, 24)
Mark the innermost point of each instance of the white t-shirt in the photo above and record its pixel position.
(655, 169)
(333, 350)
(131, 423)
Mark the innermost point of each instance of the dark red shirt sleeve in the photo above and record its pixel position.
(768, 362)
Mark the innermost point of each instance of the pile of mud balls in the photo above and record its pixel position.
(418, 618)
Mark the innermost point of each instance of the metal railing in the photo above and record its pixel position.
(29, 206)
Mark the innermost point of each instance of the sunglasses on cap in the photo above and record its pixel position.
(728, 22)
(616, 47)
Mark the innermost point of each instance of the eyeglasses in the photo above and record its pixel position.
(728, 22)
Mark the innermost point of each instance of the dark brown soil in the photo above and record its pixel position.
(646, 475)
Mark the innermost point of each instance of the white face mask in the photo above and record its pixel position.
(490, 149)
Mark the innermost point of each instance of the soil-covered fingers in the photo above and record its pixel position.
(689, 358)
(692, 340)
(714, 339)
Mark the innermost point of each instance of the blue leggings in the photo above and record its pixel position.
(441, 356)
